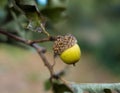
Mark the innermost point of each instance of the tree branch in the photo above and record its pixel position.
(40, 50)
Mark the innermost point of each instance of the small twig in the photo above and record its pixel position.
(46, 63)
(43, 29)
(42, 40)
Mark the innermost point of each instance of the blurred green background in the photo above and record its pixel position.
(96, 25)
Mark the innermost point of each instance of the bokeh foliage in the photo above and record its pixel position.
(96, 23)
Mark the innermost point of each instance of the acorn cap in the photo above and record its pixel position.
(68, 49)
(63, 42)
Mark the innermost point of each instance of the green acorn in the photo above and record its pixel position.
(67, 48)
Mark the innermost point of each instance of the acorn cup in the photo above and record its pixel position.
(67, 48)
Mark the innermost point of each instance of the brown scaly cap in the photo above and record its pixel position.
(63, 42)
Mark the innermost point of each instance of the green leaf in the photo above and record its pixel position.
(3, 3)
(60, 88)
(47, 85)
(25, 2)
(34, 21)
(30, 10)
(54, 14)
(107, 91)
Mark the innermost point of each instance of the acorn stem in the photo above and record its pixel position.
(43, 29)
(74, 64)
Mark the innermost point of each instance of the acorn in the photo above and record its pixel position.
(67, 48)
